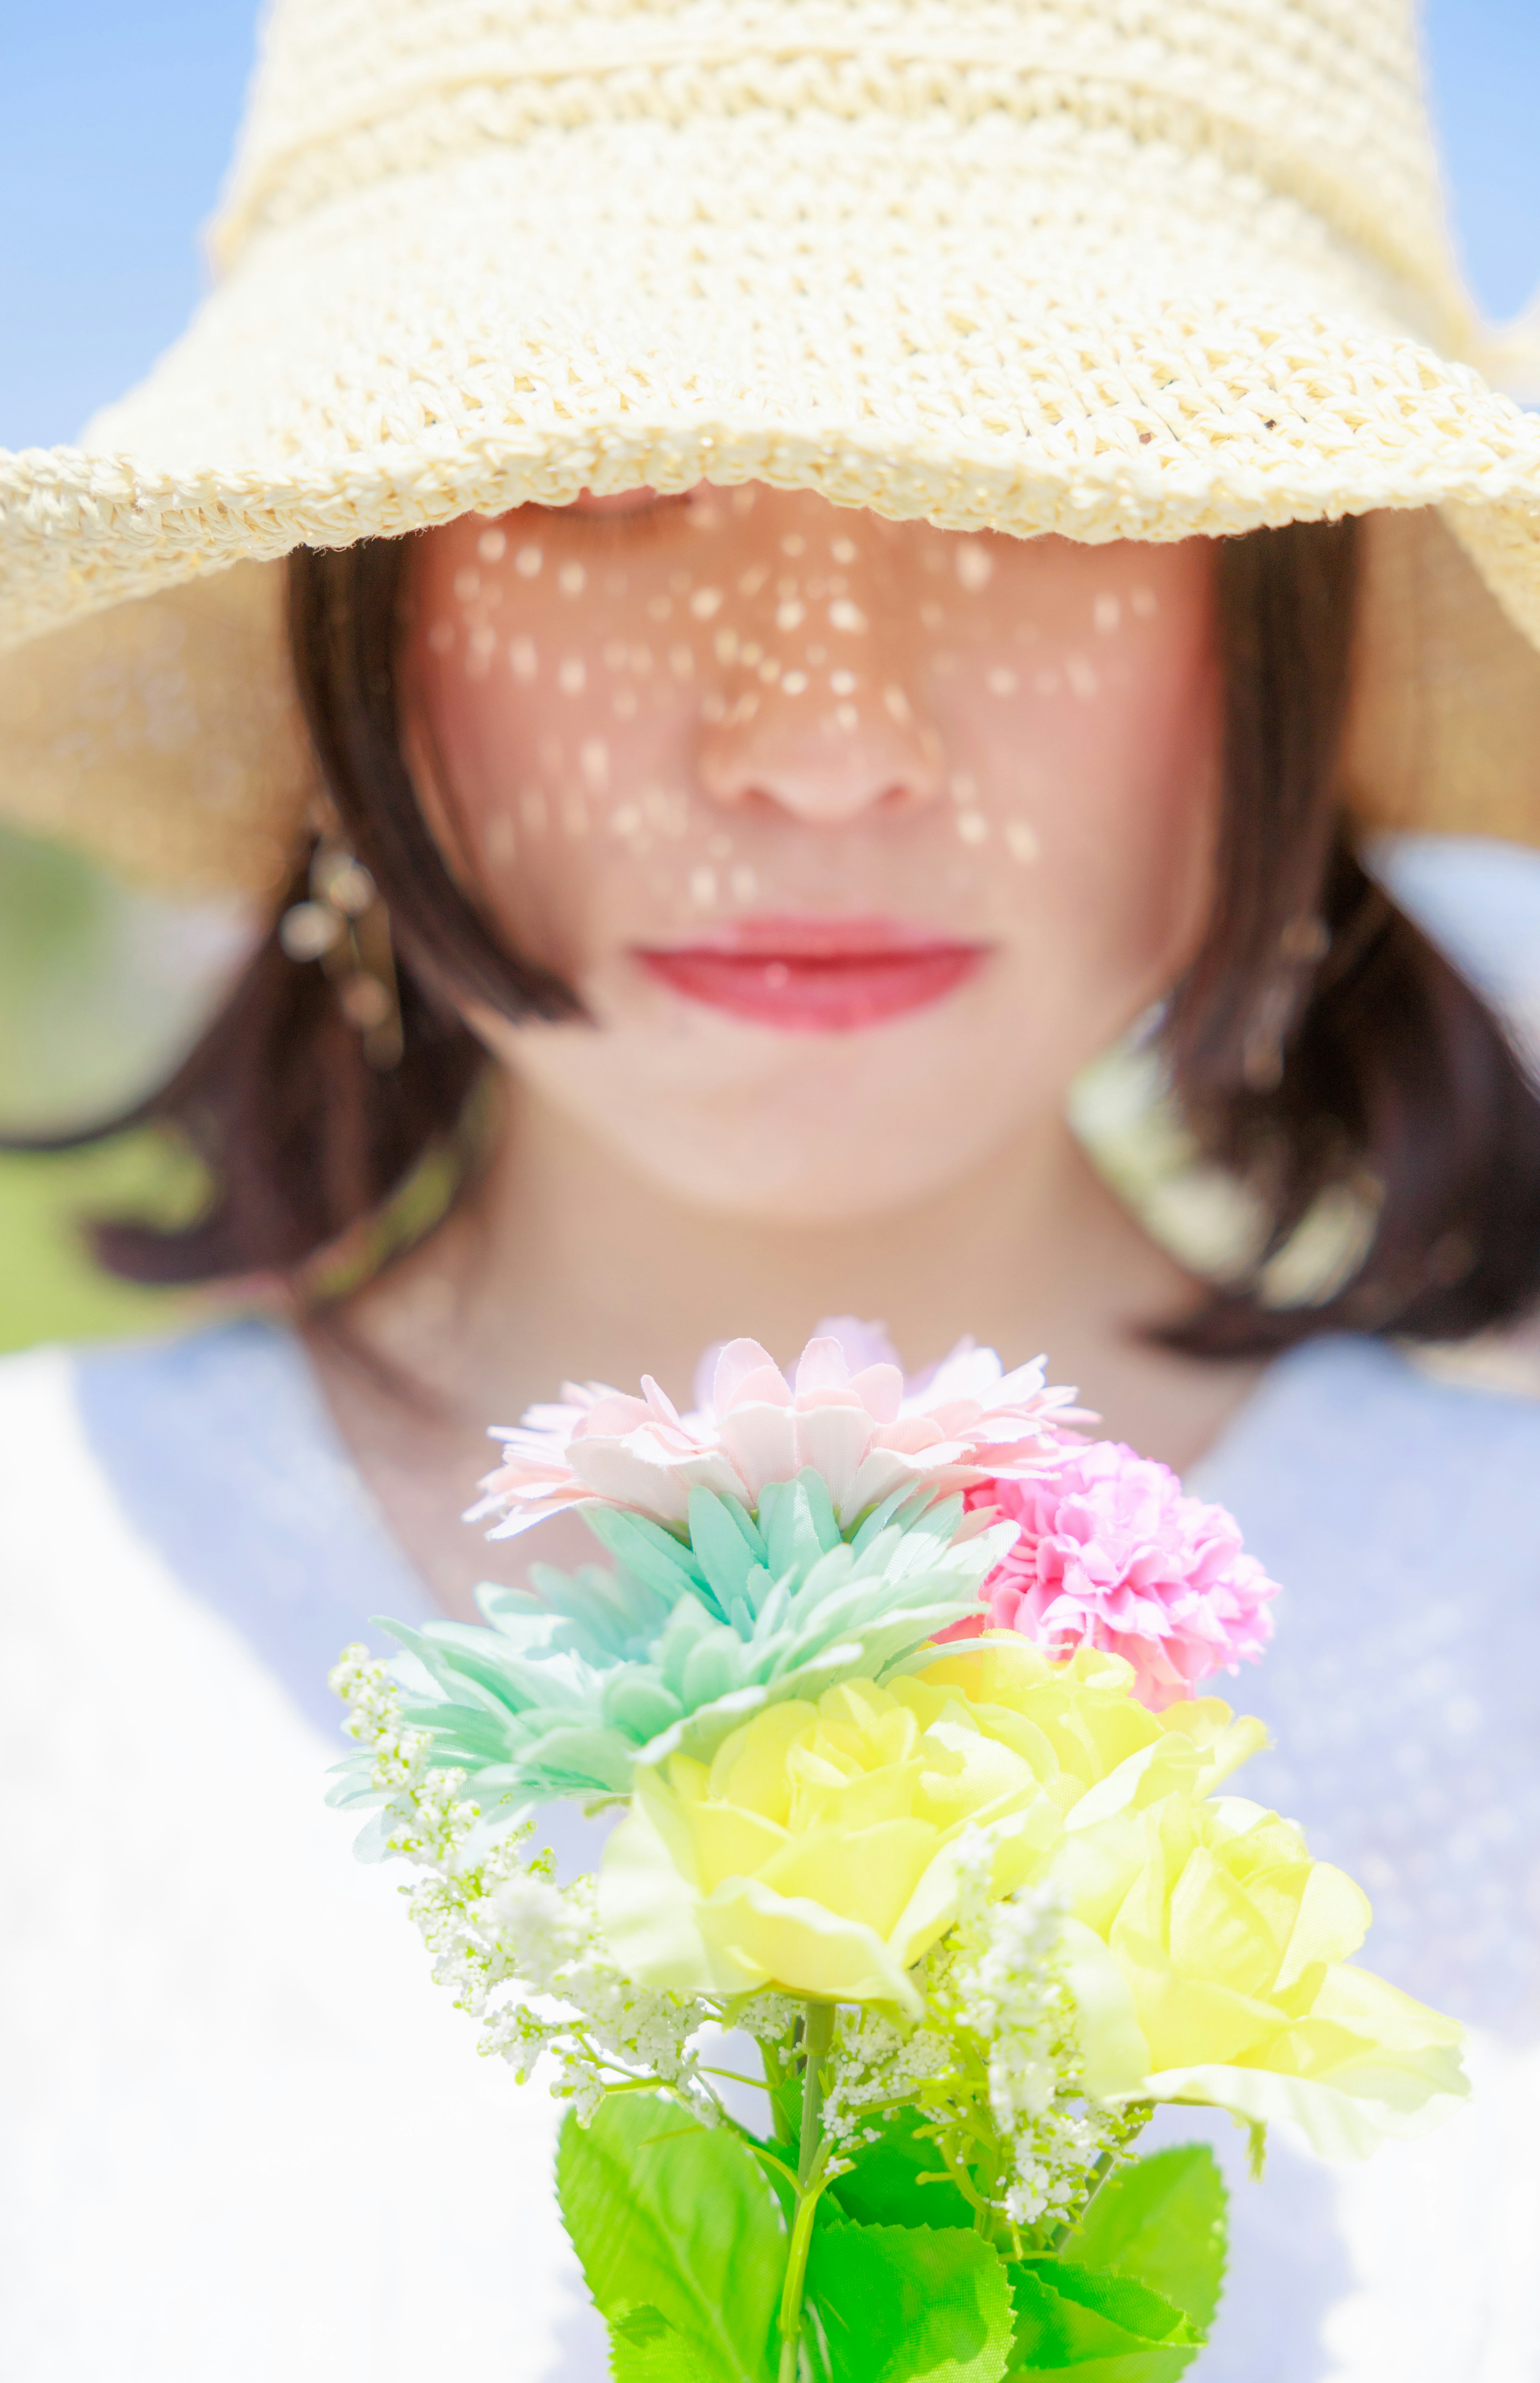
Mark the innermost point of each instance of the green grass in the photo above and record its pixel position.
(49, 1287)
(100, 988)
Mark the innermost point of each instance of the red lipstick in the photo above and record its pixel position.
(814, 976)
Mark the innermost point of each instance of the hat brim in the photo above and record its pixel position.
(1029, 327)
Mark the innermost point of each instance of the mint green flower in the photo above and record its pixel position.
(574, 1681)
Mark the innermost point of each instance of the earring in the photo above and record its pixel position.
(1303, 945)
(345, 925)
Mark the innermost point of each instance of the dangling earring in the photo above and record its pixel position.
(1302, 947)
(345, 925)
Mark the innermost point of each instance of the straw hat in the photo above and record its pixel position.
(1116, 268)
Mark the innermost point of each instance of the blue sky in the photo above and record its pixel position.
(116, 116)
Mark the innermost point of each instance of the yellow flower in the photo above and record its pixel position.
(815, 1852)
(1085, 1728)
(1209, 1956)
(1207, 1952)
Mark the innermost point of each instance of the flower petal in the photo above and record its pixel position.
(803, 1947)
(1337, 2123)
(821, 1367)
(1112, 2049)
(627, 1473)
(738, 1361)
(833, 1440)
(880, 1392)
(863, 1345)
(761, 1441)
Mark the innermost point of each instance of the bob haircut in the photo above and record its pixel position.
(1318, 1039)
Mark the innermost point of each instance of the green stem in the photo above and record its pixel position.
(1099, 2175)
(818, 2034)
(797, 2276)
(812, 2161)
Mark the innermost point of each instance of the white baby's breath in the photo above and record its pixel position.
(877, 2064)
(991, 2069)
(516, 1949)
(999, 1982)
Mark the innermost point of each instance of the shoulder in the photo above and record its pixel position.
(1346, 1443)
(204, 1379)
(41, 1453)
(35, 1391)
(212, 1457)
(141, 1411)
(1377, 1391)
(78, 1424)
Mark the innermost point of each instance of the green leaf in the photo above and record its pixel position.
(1096, 2326)
(910, 2305)
(681, 2239)
(1161, 2220)
(727, 1546)
(887, 2185)
(645, 2348)
(798, 1523)
(648, 1550)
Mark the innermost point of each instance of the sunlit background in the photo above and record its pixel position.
(115, 122)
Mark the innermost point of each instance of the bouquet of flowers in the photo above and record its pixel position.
(923, 1892)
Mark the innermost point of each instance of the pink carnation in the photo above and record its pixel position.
(847, 1414)
(1114, 1554)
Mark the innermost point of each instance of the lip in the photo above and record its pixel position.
(814, 976)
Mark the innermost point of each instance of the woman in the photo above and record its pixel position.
(836, 560)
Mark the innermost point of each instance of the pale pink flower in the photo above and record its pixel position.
(1114, 1554)
(858, 1425)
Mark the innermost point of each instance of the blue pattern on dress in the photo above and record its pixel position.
(225, 1459)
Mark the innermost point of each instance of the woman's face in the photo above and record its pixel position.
(858, 839)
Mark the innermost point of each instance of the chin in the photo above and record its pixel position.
(770, 1176)
(803, 1132)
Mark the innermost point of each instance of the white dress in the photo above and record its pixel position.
(245, 2136)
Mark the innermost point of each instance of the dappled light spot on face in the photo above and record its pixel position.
(665, 720)
(975, 567)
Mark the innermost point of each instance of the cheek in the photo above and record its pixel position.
(1102, 737)
(559, 719)
(1134, 830)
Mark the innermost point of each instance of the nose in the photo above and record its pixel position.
(825, 746)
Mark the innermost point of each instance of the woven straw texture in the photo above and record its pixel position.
(1108, 267)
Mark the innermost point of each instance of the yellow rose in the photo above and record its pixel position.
(1084, 1729)
(1209, 1956)
(815, 1853)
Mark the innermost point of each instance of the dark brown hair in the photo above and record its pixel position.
(1318, 1040)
